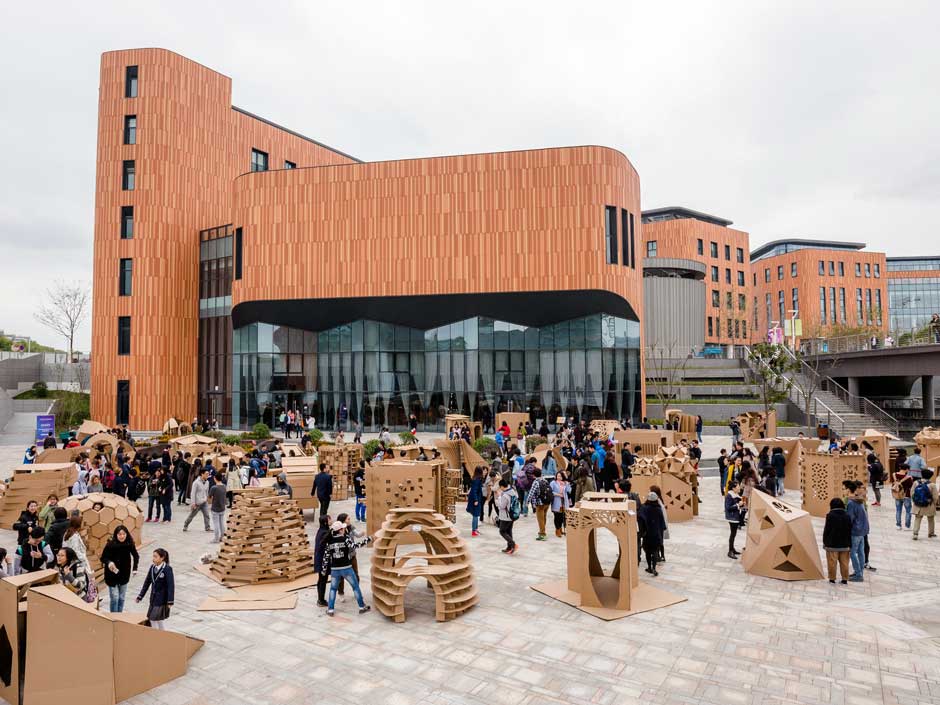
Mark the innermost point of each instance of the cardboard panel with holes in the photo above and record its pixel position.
(780, 541)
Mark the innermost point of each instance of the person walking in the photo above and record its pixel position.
(561, 501)
(650, 524)
(837, 539)
(876, 473)
(734, 515)
(120, 559)
(778, 461)
(924, 499)
(901, 492)
(540, 497)
(359, 489)
(162, 588)
(200, 499)
(856, 511)
(323, 489)
(916, 464)
(319, 550)
(475, 500)
(337, 560)
(217, 502)
(507, 513)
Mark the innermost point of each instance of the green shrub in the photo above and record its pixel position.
(232, 440)
(218, 435)
(406, 437)
(532, 442)
(316, 435)
(41, 390)
(260, 431)
(370, 448)
(486, 447)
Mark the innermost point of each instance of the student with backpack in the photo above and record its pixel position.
(924, 499)
(901, 492)
(540, 497)
(860, 527)
(508, 510)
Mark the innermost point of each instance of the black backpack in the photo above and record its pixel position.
(545, 492)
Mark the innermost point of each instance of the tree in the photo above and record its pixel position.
(65, 310)
(807, 379)
(772, 364)
(665, 371)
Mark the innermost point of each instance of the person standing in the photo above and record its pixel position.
(359, 489)
(233, 481)
(734, 515)
(735, 431)
(217, 502)
(650, 524)
(901, 492)
(338, 555)
(507, 513)
(474, 500)
(29, 519)
(876, 473)
(162, 588)
(72, 572)
(916, 464)
(540, 497)
(56, 532)
(561, 501)
(182, 478)
(153, 494)
(722, 470)
(924, 499)
(837, 539)
(856, 511)
(323, 489)
(319, 550)
(120, 559)
(46, 516)
(200, 498)
(699, 423)
(33, 554)
(778, 462)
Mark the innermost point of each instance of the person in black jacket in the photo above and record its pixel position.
(56, 532)
(337, 561)
(734, 515)
(651, 525)
(837, 539)
(29, 518)
(163, 592)
(182, 479)
(323, 489)
(778, 462)
(319, 548)
(119, 558)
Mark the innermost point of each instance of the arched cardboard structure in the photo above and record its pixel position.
(98, 525)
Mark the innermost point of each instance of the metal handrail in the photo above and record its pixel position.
(880, 340)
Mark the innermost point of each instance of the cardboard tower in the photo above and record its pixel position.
(822, 476)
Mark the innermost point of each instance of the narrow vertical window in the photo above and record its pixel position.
(130, 129)
(700, 248)
(128, 175)
(792, 269)
(624, 230)
(822, 305)
(610, 233)
(127, 222)
(832, 304)
(632, 244)
(123, 405)
(124, 277)
(740, 254)
(728, 253)
(713, 249)
(124, 335)
(842, 304)
(651, 249)
(238, 253)
(259, 160)
(130, 82)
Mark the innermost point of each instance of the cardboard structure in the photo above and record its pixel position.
(458, 454)
(757, 424)
(265, 541)
(928, 439)
(605, 427)
(95, 657)
(176, 428)
(822, 476)
(881, 442)
(649, 440)
(410, 484)
(88, 429)
(620, 593)
(512, 419)
(792, 451)
(108, 445)
(341, 462)
(781, 542)
(59, 455)
(300, 471)
(13, 625)
(445, 564)
(683, 424)
(410, 452)
(673, 473)
(541, 451)
(451, 420)
(36, 481)
(99, 525)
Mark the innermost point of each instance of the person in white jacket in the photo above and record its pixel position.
(200, 500)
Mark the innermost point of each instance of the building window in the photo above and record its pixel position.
(779, 272)
(868, 308)
(841, 269)
(127, 222)
(729, 301)
(877, 271)
(127, 175)
(737, 328)
(710, 328)
(767, 275)
(792, 269)
(238, 254)
(795, 300)
(767, 305)
(124, 277)
(832, 304)
(727, 276)
(860, 306)
(259, 160)
(754, 313)
(714, 274)
(822, 305)
(123, 406)
(740, 278)
(744, 329)
(289, 165)
(832, 268)
(742, 302)
(610, 233)
(781, 307)
(130, 82)
(716, 298)
(624, 229)
(878, 305)
(632, 244)
(728, 252)
(700, 248)
(858, 269)
(867, 270)
(730, 330)
(740, 255)
(822, 268)
(124, 335)
(651, 248)
(130, 129)
(842, 304)
(713, 247)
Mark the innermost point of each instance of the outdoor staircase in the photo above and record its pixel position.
(840, 416)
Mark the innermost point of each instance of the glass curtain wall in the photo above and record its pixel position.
(379, 373)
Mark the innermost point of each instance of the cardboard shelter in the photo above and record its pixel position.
(822, 476)
(108, 445)
(36, 481)
(99, 525)
(445, 564)
(176, 428)
(880, 442)
(512, 419)
(13, 624)
(792, 451)
(541, 451)
(88, 429)
(683, 424)
(59, 455)
(301, 471)
(781, 542)
(341, 462)
(677, 480)
(410, 484)
(458, 454)
(451, 420)
(928, 440)
(265, 541)
(620, 593)
(757, 424)
(605, 427)
(410, 452)
(649, 440)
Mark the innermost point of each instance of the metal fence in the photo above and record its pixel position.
(861, 342)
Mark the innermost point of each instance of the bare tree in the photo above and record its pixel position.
(65, 309)
(772, 366)
(807, 379)
(665, 372)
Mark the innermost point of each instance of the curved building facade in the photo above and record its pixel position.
(260, 270)
(673, 306)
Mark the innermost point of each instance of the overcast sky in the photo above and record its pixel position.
(791, 119)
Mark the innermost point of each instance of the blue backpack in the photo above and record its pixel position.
(515, 509)
(921, 495)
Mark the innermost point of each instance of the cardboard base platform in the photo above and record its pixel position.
(645, 598)
(261, 588)
(284, 602)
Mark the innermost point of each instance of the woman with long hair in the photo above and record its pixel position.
(475, 500)
(72, 572)
(119, 558)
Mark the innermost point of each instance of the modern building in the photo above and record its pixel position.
(913, 292)
(260, 270)
(673, 306)
(683, 234)
(834, 287)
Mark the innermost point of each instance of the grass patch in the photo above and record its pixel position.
(45, 394)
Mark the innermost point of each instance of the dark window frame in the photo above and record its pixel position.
(258, 159)
(128, 175)
(127, 222)
(131, 81)
(625, 241)
(126, 276)
(610, 234)
(122, 405)
(124, 335)
(130, 129)
(289, 164)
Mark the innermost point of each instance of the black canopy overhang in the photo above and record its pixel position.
(529, 308)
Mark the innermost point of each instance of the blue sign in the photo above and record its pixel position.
(45, 424)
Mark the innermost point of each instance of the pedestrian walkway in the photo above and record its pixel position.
(15, 438)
